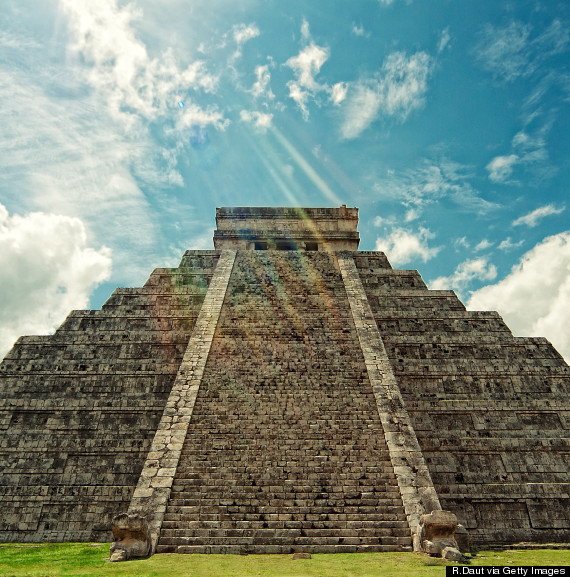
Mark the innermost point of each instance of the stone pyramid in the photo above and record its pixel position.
(284, 392)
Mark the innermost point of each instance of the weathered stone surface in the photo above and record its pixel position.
(79, 409)
(285, 450)
(490, 411)
(414, 481)
(437, 536)
(462, 539)
(311, 426)
(437, 531)
(453, 554)
(292, 228)
(131, 537)
(154, 488)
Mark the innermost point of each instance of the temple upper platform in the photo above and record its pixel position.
(273, 228)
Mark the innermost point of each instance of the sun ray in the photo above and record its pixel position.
(304, 165)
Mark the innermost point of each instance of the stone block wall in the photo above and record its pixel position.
(331, 229)
(285, 450)
(491, 411)
(78, 409)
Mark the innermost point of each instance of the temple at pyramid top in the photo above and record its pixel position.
(272, 228)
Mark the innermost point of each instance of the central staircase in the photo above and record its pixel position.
(285, 451)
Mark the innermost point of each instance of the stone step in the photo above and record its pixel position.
(193, 529)
(285, 459)
(227, 504)
(296, 470)
(253, 456)
(230, 496)
(286, 540)
(370, 522)
(179, 536)
(253, 493)
(378, 482)
(282, 506)
(295, 476)
(253, 464)
(304, 500)
(302, 484)
(173, 521)
(331, 482)
(282, 549)
(333, 488)
(254, 513)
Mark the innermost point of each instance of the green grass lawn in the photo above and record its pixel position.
(89, 560)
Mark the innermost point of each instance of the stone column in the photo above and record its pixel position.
(416, 487)
(153, 489)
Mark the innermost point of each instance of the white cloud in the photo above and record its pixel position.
(532, 218)
(46, 270)
(444, 39)
(361, 110)
(195, 115)
(412, 214)
(530, 151)
(402, 246)
(11, 40)
(510, 52)
(133, 85)
(306, 65)
(338, 93)
(501, 167)
(554, 40)
(300, 96)
(534, 299)
(521, 139)
(532, 145)
(465, 273)
(432, 181)
(404, 82)
(68, 156)
(507, 244)
(360, 31)
(259, 119)
(384, 221)
(462, 242)
(260, 87)
(95, 154)
(305, 31)
(483, 245)
(399, 89)
(505, 51)
(243, 33)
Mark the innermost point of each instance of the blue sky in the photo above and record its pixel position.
(124, 125)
